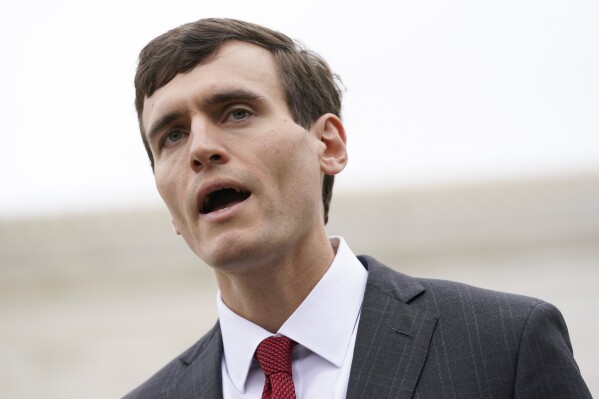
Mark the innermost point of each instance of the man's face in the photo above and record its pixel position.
(241, 179)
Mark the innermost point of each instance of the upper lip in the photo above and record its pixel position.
(208, 188)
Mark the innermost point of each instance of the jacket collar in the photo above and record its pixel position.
(202, 378)
(393, 336)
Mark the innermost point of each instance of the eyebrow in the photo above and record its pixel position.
(234, 95)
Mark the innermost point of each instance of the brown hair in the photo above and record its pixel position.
(310, 88)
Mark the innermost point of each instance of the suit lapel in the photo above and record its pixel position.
(202, 378)
(393, 337)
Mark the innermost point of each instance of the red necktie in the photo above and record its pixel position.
(274, 357)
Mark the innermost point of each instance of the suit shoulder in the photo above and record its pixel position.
(452, 302)
(451, 291)
(163, 383)
(466, 311)
(435, 294)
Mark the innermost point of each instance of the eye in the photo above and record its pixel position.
(172, 137)
(238, 115)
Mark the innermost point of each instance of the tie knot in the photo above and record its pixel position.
(274, 355)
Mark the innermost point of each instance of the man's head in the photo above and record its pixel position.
(310, 88)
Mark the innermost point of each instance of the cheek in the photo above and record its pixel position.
(297, 170)
(169, 189)
(283, 161)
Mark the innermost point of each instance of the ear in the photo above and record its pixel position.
(175, 228)
(333, 157)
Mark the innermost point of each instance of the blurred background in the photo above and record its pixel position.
(473, 135)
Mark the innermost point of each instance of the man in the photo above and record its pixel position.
(243, 130)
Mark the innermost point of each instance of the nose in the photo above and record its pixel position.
(206, 148)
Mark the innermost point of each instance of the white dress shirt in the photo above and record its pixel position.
(324, 327)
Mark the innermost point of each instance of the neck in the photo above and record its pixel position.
(268, 294)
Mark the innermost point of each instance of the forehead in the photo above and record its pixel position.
(236, 66)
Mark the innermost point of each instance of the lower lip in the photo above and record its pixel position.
(225, 213)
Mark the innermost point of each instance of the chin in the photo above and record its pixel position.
(221, 254)
(235, 253)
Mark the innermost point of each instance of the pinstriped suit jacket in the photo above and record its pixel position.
(421, 338)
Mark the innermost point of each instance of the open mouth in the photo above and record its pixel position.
(222, 199)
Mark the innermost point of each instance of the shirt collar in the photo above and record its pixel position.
(333, 305)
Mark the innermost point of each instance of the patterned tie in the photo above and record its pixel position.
(274, 357)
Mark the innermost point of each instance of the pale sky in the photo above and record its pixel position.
(437, 91)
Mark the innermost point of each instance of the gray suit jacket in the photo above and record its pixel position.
(420, 338)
